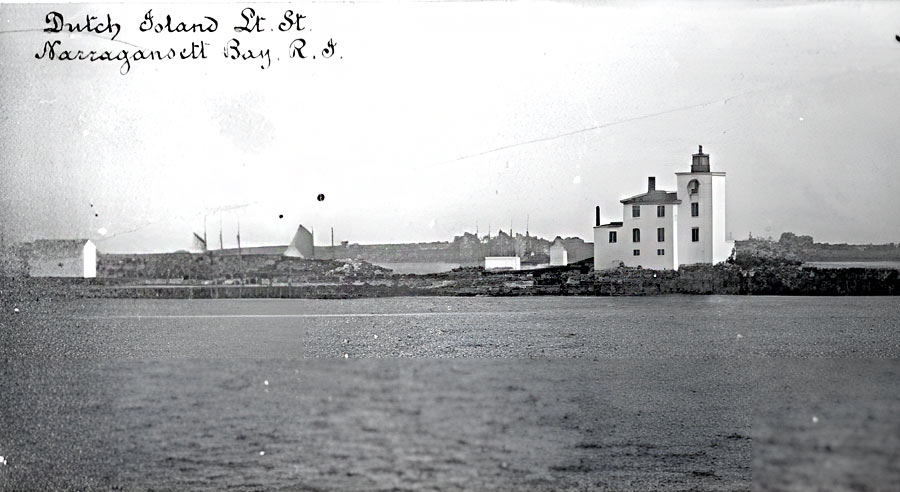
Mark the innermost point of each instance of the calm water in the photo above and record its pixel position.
(715, 393)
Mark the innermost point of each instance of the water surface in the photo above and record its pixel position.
(665, 393)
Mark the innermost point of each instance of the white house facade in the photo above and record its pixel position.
(667, 229)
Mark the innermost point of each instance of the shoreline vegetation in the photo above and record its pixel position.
(758, 267)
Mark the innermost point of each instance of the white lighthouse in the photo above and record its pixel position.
(667, 229)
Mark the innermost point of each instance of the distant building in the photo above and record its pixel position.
(502, 263)
(60, 258)
(667, 229)
(558, 254)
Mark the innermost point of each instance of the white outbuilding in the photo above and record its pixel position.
(558, 254)
(502, 263)
(61, 258)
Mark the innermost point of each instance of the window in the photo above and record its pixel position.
(660, 210)
(693, 187)
(661, 252)
(635, 235)
(636, 252)
(661, 234)
(612, 236)
(635, 210)
(695, 234)
(695, 209)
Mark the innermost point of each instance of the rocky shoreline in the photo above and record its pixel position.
(573, 280)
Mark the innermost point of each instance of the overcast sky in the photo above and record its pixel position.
(434, 116)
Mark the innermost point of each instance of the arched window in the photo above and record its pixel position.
(635, 235)
(693, 186)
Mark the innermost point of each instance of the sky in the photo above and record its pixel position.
(431, 119)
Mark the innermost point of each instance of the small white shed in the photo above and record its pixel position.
(61, 258)
(558, 254)
(502, 263)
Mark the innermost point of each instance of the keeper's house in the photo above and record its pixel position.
(666, 229)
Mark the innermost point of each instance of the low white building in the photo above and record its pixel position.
(502, 263)
(61, 258)
(558, 254)
(667, 229)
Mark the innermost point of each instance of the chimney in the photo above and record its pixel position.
(598, 216)
(700, 163)
(651, 184)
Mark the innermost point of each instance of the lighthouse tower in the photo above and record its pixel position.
(701, 214)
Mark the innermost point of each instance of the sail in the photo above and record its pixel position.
(302, 244)
(198, 244)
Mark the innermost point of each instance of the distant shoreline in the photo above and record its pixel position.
(578, 280)
(872, 264)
